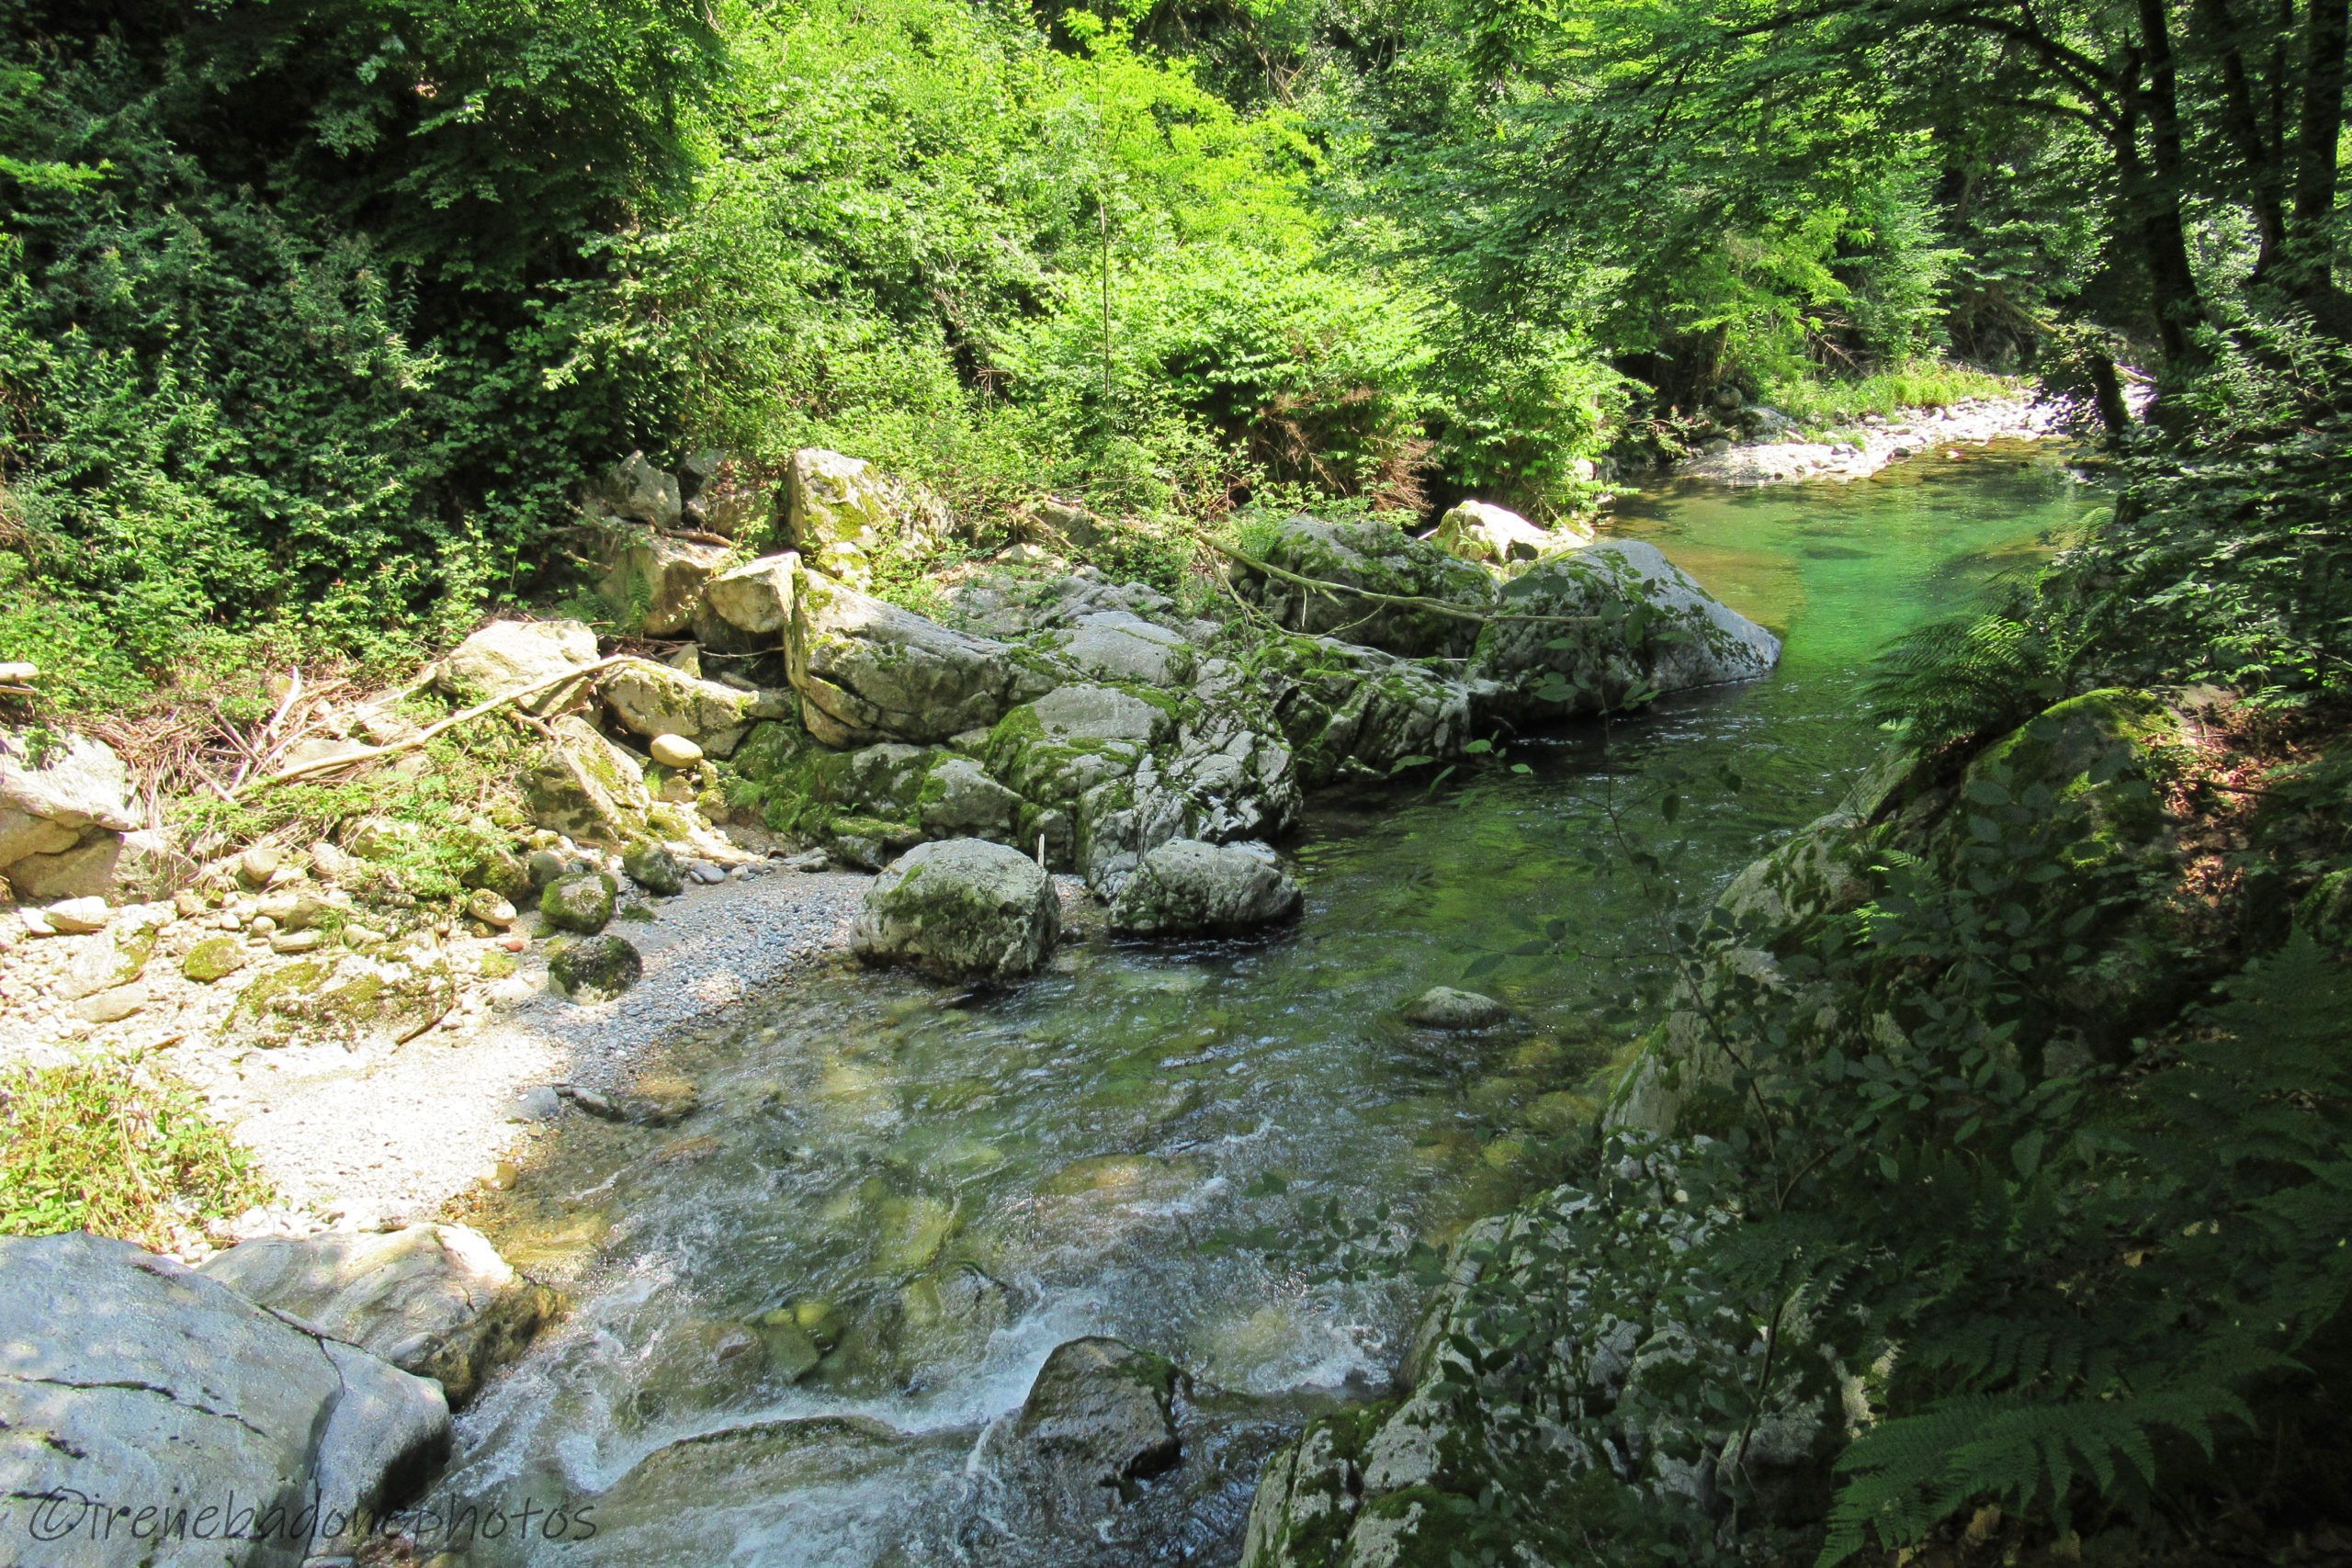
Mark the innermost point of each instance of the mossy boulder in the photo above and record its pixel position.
(506, 656)
(962, 908)
(1098, 1418)
(869, 671)
(651, 582)
(651, 700)
(845, 515)
(654, 868)
(595, 968)
(580, 902)
(1385, 560)
(587, 788)
(1185, 887)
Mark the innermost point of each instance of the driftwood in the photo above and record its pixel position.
(376, 753)
(1414, 601)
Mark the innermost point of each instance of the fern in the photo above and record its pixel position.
(1958, 679)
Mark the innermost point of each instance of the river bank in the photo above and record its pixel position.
(1873, 442)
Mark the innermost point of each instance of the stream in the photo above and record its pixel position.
(935, 1188)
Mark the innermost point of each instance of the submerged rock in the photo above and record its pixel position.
(595, 968)
(1442, 1007)
(1185, 887)
(434, 1300)
(171, 1390)
(961, 907)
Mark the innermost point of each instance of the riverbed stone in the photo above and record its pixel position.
(650, 581)
(586, 789)
(214, 958)
(1185, 887)
(582, 902)
(654, 868)
(755, 598)
(181, 1393)
(961, 907)
(434, 1300)
(1442, 1007)
(64, 806)
(651, 699)
(843, 515)
(674, 750)
(1098, 1418)
(505, 656)
(595, 968)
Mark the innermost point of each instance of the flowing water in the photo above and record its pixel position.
(937, 1189)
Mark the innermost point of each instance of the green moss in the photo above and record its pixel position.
(213, 958)
(287, 983)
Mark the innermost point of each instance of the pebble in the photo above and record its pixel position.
(538, 1103)
(73, 916)
(258, 864)
(35, 922)
(706, 872)
(262, 925)
(675, 751)
(295, 941)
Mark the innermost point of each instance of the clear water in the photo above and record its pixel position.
(1139, 1143)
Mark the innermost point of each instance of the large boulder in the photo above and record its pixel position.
(65, 808)
(651, 699)
(755, 598)
(1384, 560)
(1185, 887)
(652, 580)
(1497, 536)
(1118, 645)
(1590, 631)
(842, 514)
(1348, 709)
(587, 788)
(434, 1300)
(638, 491)
(507, 656)
(727, 496)
(869, 671)
(1098, 1418)
(128, 1380)
(963, 908)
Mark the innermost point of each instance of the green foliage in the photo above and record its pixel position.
(1825, 402)
(99, 1145)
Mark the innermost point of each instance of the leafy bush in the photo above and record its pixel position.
(98, 1145)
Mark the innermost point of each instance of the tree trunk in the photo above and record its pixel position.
(2315, 141)
(2106, 394)
(2242, 123)
(2152, 187)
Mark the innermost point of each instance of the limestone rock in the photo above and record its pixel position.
(506, 655)
(434, 1300)
(674, 750)
(1377, 557)
(636, 488)
(1349, 709)
(588, 789)
(1098, 1418)
(1495, 535)
(1120, 646)
(181, 1393)
(595, 968)
(1678, 637)
(1442, 1007)
(756, 597)
(652, 580)
(842, 514)
(958, 800)
(961, 907)
(1185, 887)
(655, 869)
(64, 806)
(214, 958)
(651, 699)
(867, 670)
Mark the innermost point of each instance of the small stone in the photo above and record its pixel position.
(73, 916)
(491, 909)
(261, 925)
(503, 1176)
(538, 1103)
(806, 860)
(675, 751)
(109, 1007)
(188, 904)
(595, 968)
(654, 868)
(707, 873)
(1442, 1007)
(35, 922)
(356, 935)
(514, 942)
(297, 941)
(258, 864)
(214, 958)
(544, 866)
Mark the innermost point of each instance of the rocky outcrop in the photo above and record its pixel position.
(963, 908)
(435, 1300)
(587, 788)
(649, 699)
(1348, 709)
(169, 1391)
(867, 670)
(65, 809)
(638, 491)
(842, 514)
(652, 580)
(1185, 887)
(754, 599)
(506, 656)
(1379, 558)
(1608, 624)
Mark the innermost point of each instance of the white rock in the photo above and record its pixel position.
(675, 751)
(78, 915)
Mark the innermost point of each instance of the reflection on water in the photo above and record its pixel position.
(900, 1199)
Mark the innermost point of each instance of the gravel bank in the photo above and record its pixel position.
(1879, 441)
